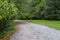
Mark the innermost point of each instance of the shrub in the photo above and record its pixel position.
(7, 12)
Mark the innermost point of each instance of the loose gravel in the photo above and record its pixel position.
(30, 31)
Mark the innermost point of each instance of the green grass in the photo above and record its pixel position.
(50, 23)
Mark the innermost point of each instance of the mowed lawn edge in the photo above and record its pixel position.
(51, 23)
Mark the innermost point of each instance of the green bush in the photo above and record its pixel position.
(7, 12)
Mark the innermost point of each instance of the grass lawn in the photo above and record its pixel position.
(50, 23)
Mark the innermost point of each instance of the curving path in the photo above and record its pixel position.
(30, 31)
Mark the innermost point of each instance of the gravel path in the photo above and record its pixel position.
(30, 31)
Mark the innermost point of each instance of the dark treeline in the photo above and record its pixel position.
(38, 9)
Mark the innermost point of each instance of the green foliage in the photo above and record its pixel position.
(39, 9)
(7, 11)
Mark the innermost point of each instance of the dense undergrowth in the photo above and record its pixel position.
(7, 11)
